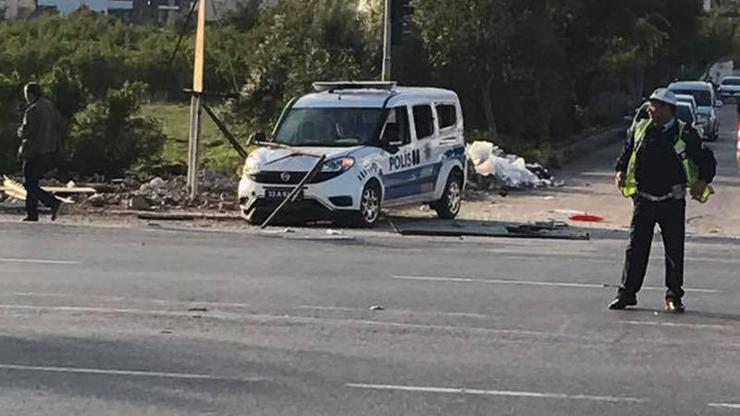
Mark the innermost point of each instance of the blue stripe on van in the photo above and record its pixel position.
(412, 181)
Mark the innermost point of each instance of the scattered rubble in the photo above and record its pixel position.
(217, 192)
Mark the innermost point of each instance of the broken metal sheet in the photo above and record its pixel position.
(473, 228)
(16, 191)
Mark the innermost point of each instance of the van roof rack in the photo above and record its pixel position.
(354, 85)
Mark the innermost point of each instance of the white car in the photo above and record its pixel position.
(729, 88)
(706, 102)
(384, 146)
(686, 113)
(737, 151)
(686, 98)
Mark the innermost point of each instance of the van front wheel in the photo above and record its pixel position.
(369, 212)
(449, 205)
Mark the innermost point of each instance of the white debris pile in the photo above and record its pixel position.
(216, 192)
(490, 168)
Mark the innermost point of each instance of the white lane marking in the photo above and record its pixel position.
(591, 255)
(502, 393)
(725, 405)
(676, 325)
(531, 283)
(296, 319)
(500, 281)
(152, 374)
(38, 261)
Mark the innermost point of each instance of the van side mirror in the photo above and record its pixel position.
(391, 137)
(258, 136)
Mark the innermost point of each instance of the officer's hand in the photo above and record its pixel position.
(619, 179)
(698, 190)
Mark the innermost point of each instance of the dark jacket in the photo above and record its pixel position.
(41, 131)
(658, 166)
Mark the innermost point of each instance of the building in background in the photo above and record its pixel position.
(17, 9)
(158, 12)
(712, 4)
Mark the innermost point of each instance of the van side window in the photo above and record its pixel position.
(424, 121)
(397, 127)
(447, 115)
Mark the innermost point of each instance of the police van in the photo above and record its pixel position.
(383, 146)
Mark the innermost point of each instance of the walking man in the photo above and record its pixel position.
(662, 158)
(41, 136)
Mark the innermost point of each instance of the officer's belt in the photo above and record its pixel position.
(678, 192)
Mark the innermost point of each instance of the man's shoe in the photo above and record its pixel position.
(674, 305)
(30, 219)
(621, 302)
(55, 210)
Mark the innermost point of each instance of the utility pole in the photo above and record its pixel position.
(386, 76)
(195, 101)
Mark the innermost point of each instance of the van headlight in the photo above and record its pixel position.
(252, 166)
(340, 164)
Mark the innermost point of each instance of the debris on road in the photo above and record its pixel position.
(490, 168)
(15, 190)
(473, 228)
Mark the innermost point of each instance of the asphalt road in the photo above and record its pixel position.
(164, 321)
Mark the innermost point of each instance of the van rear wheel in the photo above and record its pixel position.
(449, 205)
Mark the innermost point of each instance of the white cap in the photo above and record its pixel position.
(664, 95)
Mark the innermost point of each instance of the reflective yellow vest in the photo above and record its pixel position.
(692, 171)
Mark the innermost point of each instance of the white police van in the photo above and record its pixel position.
(384, 146)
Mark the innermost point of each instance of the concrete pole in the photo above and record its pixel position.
(386, 76)
(195, 101)
(194, 144)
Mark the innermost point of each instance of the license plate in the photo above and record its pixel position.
(281, 193)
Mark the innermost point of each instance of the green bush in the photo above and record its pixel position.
(10, 117)
(110, 137)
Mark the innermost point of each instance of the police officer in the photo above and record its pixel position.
(41, 135)
(662, 158)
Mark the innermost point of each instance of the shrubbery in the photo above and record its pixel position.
(527, 71)
(109, 136)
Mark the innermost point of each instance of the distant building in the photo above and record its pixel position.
(122, 8)
(712, 4)
(16, 9)
(161, 12)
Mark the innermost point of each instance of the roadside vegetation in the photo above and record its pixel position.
(531, 74)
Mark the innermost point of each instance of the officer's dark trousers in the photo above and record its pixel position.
(33, 171)
(671, 216)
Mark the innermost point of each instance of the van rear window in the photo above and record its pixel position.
(703, 97)
(447, 115)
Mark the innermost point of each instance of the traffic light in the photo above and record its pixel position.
(401, 12)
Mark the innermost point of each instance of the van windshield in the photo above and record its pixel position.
(330, 127)
(703, 97)
(731, 81)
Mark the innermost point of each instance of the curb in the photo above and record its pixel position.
(585, 146)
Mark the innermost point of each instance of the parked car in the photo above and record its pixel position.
(384, 146)
(707, 104)
(686, 98)
(686, 113)
(729, 89)
(737, 151)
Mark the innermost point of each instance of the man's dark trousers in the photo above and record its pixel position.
(33, 171)
(671, 216)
